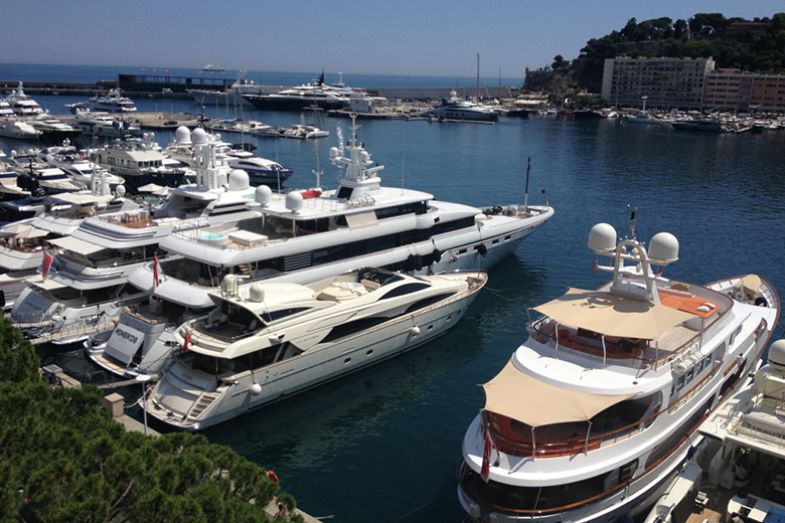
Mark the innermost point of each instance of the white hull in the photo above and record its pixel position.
(288, 377)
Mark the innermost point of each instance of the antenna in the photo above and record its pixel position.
(633, 219)
(526, 192)
(318, 172)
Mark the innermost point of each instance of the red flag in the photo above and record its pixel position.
(187, 341)
(486, 454)
(47, 263)
(156, 272)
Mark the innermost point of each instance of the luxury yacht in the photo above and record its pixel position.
(237, 126)
(325, 96)
(53, 129)
(140, 162)
(598, 409)
(260, 170)
(104, 125)
(78, 166)
(112, 102)
(309, 235)
(23, 105)
(267, 341)
(458, 109)
(5, 109)
(19, 130)
(87, 284)
(23, 243)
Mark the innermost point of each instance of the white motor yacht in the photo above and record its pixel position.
(738, 472)
(141, 162)
(460, 110)
(599, 408)
(23, 105)
(19, 130)
(309, 235)
(104, 125)
(53, 129)
(317, 93)
(22, 243)
(5, 109)
(112, 102)
(87, 283)
(251, 127)
(267, 341)
(260, 170)
(76, 165)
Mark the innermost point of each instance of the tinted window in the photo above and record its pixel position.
(405, 289)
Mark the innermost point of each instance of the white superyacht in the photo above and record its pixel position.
(599, 408)
(268, 341)
(87, 286)
(304, 236)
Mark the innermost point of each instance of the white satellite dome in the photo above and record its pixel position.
(602, 238)
(663, 248)
(263, 195)
(294, 201)
(120, 191)
(199, 136)
(238, 180)
(777, 354)
(333, 152)
(365, 157)
(182, 135)
(256, 293)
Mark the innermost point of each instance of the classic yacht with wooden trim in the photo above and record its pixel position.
(87, 284)
(267, 341)
(597, 410)
(304, 236)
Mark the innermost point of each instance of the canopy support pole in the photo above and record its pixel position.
(586, 441)
(534, 444)
(556, 330)
(604, 350)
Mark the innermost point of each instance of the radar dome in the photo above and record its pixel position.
(199, 136)
(333, 152)
(294, 201)
(777, 354)
(602, 238)
(364, 156)
(120, 191)
(263, 195)
(182, 135)
(238, 180)
(663, 248)
(256, 293)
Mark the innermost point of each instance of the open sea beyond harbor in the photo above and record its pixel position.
(383, 445)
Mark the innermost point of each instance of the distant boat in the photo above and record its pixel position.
(212, 68)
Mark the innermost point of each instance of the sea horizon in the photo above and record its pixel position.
(80, 73)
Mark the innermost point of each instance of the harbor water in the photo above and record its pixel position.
(383, 445)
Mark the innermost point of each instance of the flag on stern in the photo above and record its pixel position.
(46, 264)
(156, 272)
(187, 341)
(485, 471)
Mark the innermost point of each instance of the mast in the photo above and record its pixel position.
(477, 92)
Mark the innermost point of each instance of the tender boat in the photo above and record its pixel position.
(267, 341)
(599, 408)
(310, 235)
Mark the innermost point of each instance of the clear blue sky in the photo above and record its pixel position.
(362, 37)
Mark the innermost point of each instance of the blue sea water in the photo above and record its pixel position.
(95, 73)
(383, 445)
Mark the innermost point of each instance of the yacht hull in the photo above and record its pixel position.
(274, 103)
(289, 377)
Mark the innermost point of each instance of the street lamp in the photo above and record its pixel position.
(143, 379)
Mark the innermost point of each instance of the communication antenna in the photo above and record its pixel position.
(318, 172)
(526, 192)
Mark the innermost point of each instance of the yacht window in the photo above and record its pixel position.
(352, 327)
(426, 302)
(733, 336)
(283, 313)
(405, 289)
(231, 323)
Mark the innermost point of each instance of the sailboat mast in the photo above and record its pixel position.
(477, 94)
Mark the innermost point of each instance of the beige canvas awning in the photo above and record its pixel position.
(76, 245)
(519, 396)
(612, 315)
